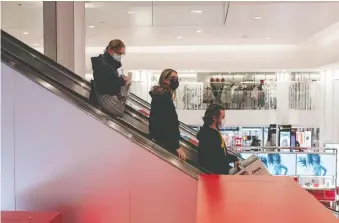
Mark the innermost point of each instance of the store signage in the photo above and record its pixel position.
(230, 129)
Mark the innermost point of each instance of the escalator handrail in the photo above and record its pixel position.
(82, 102)
(333, 211)
(49, 62)
(41, 58)
(67, 73)
(195, 148)
(146, 105)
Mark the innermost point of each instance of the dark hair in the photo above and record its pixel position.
(115, 45)
(212, 111)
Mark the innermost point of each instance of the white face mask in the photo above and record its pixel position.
(222, 124)
(117, 57)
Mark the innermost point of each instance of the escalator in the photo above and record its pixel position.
(72, 91)
(334, 212)
(137, 119)
(46, 72)
(144, 107)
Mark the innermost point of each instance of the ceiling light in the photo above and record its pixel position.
(36, 44)
(196, 11)
(91, 27)
(130, 12)
(179, 37)
(199, 31)
(26, 33)
(257, 17)
(268, 38)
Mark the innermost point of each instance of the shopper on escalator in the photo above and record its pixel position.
(163, 119)
(110, 85)
(212, 152)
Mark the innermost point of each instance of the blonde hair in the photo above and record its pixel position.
(115, 45)
(164, 87)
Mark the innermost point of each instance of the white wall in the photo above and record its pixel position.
(56, 157)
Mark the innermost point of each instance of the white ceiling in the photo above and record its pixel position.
(160, 23)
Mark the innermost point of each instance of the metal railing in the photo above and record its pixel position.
(301, 95)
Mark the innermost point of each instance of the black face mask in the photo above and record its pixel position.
(174, 83)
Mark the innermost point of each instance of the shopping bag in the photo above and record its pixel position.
(251, 166)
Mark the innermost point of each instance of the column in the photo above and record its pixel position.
(65, 33)
(329, 124)
(282, 94)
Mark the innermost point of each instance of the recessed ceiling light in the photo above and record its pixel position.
(91, 27)
(26, 33)
(268, 38)
(191, 71)
(196, 11)
(199, 31)
(179, 37)
(36, 44)
(257, 17)
(130, 12)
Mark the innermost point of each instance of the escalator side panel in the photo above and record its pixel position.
(65, 160)
(7, 140)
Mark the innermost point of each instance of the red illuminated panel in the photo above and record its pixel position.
(144, 112)
(32, 217)
(323, 195)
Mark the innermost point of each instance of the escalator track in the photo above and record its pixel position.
(79, 85)
(41, 70)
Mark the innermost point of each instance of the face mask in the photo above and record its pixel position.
(117, 57)
(174, 84)
(222, 124)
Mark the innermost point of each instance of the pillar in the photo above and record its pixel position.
(329, 124)
(65, 33)
(282, 95)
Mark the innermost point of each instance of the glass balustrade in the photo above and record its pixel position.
(298, 95)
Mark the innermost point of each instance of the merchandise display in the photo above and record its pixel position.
(279, 164)
(243, 136)
(313, 182)
(285, 139)
(314, 164)
(229, 134)
(252, 136)
(304, 137)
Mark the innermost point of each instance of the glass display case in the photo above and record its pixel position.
(315, 169)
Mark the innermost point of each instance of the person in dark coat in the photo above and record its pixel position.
(163, 118)
(108, 82)
(212, 152)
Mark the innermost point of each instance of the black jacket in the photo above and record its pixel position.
(211, 155)
(163, 120)
(106, 76)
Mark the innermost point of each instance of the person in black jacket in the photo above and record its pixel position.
(212, 152)
(163, 119)
(108, 84)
